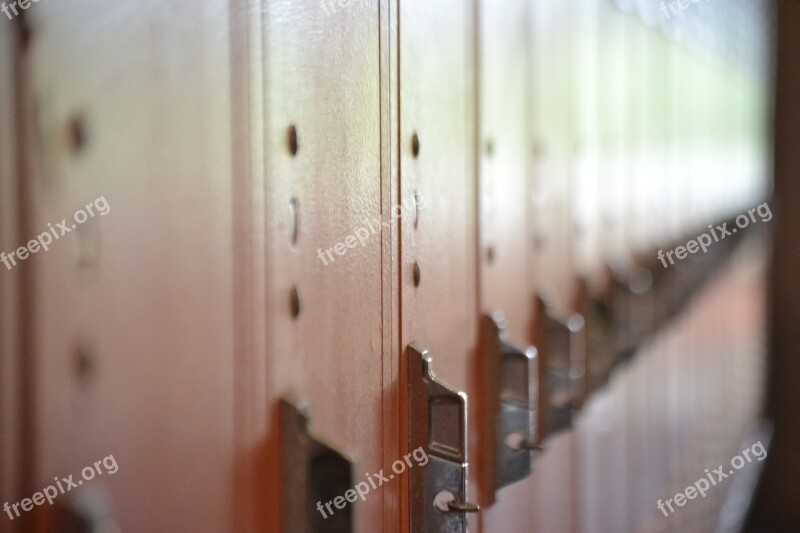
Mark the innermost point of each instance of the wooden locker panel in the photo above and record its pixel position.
(552, 123)
(504, 201)
(323, 184)
(133, 333)
(551, 118)
(437, 102)
(637, 215)
(10, 393)
(587, 181)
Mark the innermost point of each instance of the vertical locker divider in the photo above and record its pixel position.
(660, 234)
(395, 415)
(586, 194)
(11, 449)
(252, 364)
(636, 183)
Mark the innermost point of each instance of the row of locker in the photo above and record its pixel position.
(556, 146)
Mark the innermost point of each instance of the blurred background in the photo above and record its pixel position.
(225, 222)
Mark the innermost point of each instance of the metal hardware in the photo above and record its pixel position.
(509, 375)
(562, 369)
(619, 317)
(311, 472)
(600, 309)
(438, 424)
(85, 511)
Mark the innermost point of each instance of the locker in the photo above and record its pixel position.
(505, 221)
(333, 235)
(129, 340)
(323, 184)
(437, 265)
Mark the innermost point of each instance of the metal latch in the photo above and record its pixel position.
(85, 511)
(437, 422)
(312, 474)
(509, 381)
(562, 369)
(600, 334)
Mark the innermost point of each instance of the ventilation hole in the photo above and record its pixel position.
(84, 363)
(294, 302)
(76, 135)
(415, 144)
(294, 214)
(291, 138)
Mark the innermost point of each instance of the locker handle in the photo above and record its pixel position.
(562, 368)
(509, 387)
(311, 472)
(437, 422)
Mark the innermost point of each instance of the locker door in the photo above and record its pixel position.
(131, 353)
(506, 236)
(437, 163)
(328, 224)
(554, 263)
(600, 434)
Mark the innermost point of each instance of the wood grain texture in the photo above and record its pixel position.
(322, 77)
(505, 247)
(10, 394)
(150, 295)
(437, 104)
(552, 124)
(246, 149)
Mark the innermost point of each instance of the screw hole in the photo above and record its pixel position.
(490, 147)
(417, 275)
(490, 255)
(25, 33)
(84, 363)
(538, 150)
(76, 134)
(291, 138)
(415, 144)
(294, 302)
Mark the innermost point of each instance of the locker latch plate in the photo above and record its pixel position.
(509, 387)
(562, 369)
(437, 419)
(311, 472)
